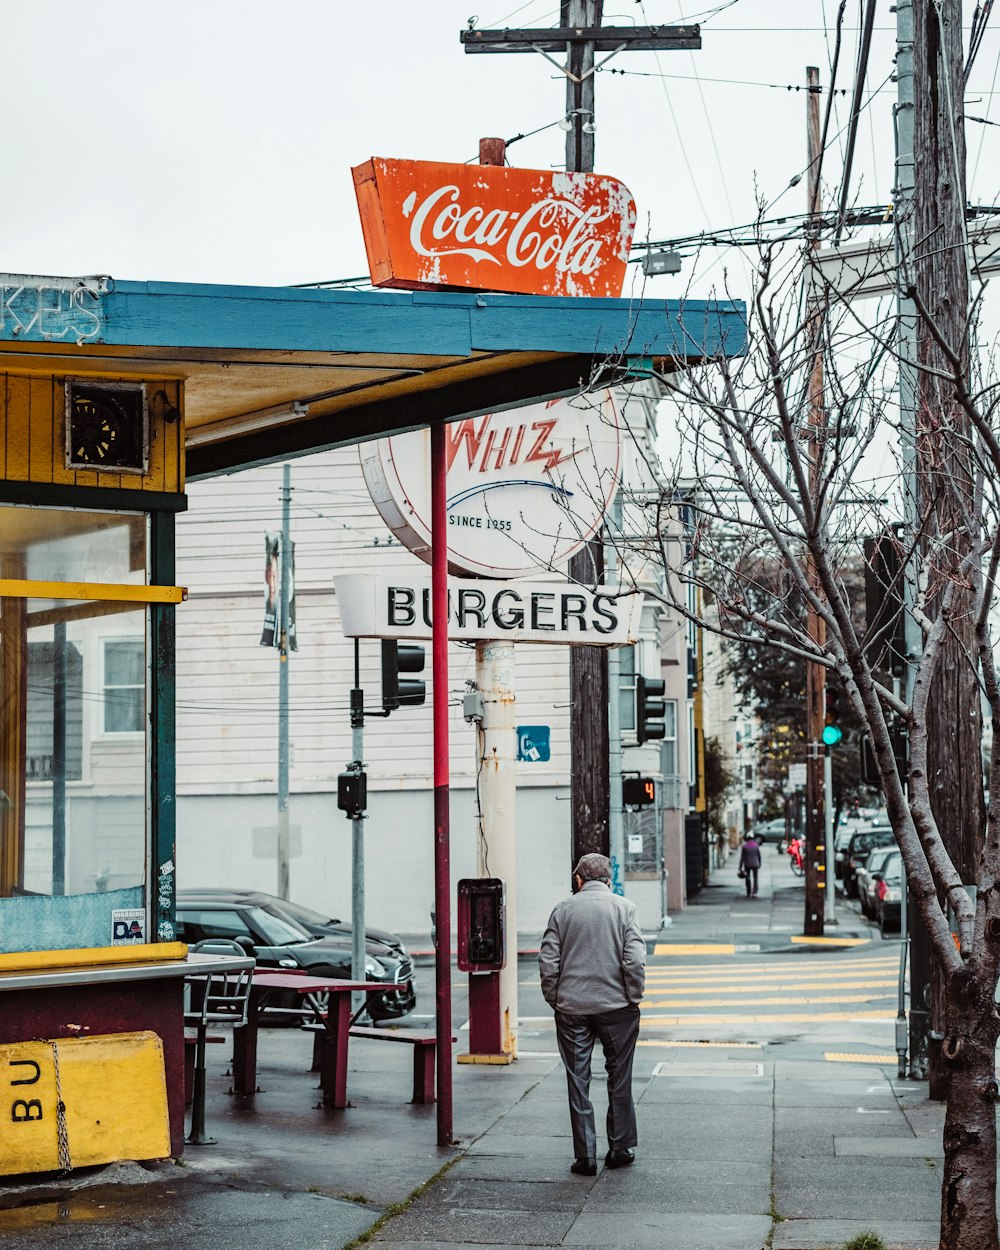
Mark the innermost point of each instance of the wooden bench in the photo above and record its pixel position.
(424, 1053)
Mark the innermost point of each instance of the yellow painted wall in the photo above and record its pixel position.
(113, 1096)
(33, 436)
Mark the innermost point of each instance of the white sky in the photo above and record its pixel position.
(212, 141)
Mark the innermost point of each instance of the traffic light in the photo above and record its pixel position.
(832, 731)
(638, 791)
(352, 790)
(401, 691)
(650, 710)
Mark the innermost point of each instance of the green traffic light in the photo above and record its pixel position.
(832, 734)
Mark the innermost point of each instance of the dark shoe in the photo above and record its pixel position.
(619, 1158)
(584, 1167)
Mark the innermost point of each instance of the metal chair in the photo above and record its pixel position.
(213, 998)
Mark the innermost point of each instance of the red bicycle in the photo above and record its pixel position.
(796, 853)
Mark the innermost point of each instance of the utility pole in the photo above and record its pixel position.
(945, 474)
(815, 859)
(906, 339)
(582, 36)
(284, 647)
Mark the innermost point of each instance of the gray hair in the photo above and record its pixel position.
(593, 868)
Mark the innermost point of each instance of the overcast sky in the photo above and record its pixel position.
(212, 141)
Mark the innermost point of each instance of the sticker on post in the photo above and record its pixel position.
(128, 926)
(533, 744)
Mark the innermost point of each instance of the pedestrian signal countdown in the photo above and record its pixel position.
(638, 791)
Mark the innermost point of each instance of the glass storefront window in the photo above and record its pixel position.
(74, 771)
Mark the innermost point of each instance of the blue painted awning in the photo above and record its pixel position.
(271, 372)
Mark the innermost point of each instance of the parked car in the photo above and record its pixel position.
(770, 831)
(841, 838)
(277, 940)
(889, 895)
(867, 882)
(318, 924)
(859, 848)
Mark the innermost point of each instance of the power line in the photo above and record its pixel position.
(734, 82)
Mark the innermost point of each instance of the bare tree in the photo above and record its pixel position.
(763, 485)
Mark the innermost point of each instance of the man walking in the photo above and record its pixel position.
(593, 966)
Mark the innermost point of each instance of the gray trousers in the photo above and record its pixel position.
(618, 1032)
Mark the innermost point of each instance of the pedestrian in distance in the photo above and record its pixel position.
(750, 863)
(593, 967)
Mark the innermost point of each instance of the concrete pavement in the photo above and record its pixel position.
(750, 1135)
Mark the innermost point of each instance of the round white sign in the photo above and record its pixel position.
(526, 488)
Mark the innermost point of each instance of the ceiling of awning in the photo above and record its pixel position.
(275, 372)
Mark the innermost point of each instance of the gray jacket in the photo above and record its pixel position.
(592, 957)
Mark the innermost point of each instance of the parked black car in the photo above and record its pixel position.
(276, 940)
(860, 846)
(318, 924)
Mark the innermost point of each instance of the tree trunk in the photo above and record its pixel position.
(968, 1192)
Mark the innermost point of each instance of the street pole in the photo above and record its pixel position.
(358, 947)
(589, 686)
(497, 849)
(830, 893)
(815, 858)
(283, 832)
(616, 812)
(946, 468)
(442, 780)
(906, 339)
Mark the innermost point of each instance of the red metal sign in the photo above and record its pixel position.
(491, 228)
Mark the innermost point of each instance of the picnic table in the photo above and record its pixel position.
(334, 1014)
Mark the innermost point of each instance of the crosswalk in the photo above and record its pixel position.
(787, 989)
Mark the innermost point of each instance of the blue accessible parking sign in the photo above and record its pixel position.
(533, 744)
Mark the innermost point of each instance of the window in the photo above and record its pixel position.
(626, 689)
(197, 926)
(124, 685)
(668, 756)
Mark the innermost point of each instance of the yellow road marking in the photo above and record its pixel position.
(800, 940)
(694, 948)
(794, 962)
(777, 978)
(772, 1001)
(834, 1056)
(818, 1017)
(708, 1045)
(781, 987)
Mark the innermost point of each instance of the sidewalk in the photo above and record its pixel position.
(749, 1144)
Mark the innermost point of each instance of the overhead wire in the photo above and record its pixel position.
(708, 118)
(860, 73)
(680, 140)
(735, 82)
(979, 19)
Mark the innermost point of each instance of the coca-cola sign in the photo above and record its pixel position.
(488, 227)
(526, 488)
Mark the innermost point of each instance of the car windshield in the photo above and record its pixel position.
(878, 857)
(301, 915)
(892, 870)
(862, 843)
(277, 930)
